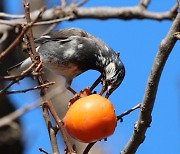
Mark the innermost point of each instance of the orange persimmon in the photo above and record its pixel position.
(90, 118)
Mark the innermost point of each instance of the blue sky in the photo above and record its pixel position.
(138, 41)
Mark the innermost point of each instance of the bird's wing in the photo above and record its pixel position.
(18, 68)
(46, 38)
(61, 35)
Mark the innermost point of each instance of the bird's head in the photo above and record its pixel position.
(113, 76)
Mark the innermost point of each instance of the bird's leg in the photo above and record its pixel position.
(104, 88)
(96, 82)
(107, 95)
(68, 86)
(71, 90)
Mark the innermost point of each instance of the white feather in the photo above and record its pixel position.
(110, 70)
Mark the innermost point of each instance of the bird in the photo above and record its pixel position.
(70, 52)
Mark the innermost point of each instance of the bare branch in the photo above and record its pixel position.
(16, 114)
(42, 150)
(6, 15)
(82, 3)
(36, 60)
(144, 3)
(14, 43)
(14, 77)
(144, 120)
(88, 148)
(11, 22)
(51, 27)
(19, 112)
(53, 21)
(177, 35)
(52, 133)
(30, 89)
(128, 112)
(125, 13)
(47, 104)
(122, 13)
(20, 77)
(18, 39)
(96, 82)
(63, 3)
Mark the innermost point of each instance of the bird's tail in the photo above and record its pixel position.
(19, 68)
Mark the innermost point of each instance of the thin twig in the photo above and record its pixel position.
(13, 77)
(29, 32)
(16, 114)
(30, 89)
(174, 9)
(96, 82)
(42, 150)
(82, 3)
(63, 3)
(177, 35)
(18, 39)
(61, 128)
(15, 23)
(52, 132)
(88, 148)
(11, 22)
(54, 21)
(23, 74)
(51, 27)
(14, 43)
(6, 15)
(144, 3)
(74, 1)
(119, 117)
(25, 109)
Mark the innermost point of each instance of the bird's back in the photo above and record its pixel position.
(75, 49)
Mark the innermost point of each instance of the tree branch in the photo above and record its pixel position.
(47, 104)
(88, 148)
(30, 89)
(42, 150)
(52, 133)
(18, 39)
(144, 3)
(144, 120)
(119, 117)
(20, 77)
(102, 13)
(34, 57)
(6, 15)
(125, 13)
(16, 114)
